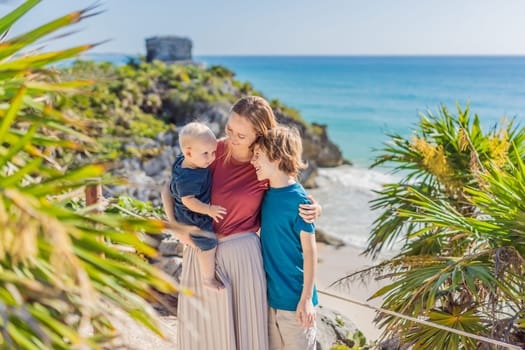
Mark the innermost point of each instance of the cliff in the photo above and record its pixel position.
(139, 107)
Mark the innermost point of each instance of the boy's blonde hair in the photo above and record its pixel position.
(193, 131)
(283, 144)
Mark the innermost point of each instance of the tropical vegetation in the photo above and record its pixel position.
(61, 272)
(134, 102)
(458, 216)
(458, 211)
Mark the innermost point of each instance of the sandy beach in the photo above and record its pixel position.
(335, 263)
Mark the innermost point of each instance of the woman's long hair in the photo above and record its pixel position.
(258, 112)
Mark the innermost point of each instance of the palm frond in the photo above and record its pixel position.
(458, 212)
(56, 274)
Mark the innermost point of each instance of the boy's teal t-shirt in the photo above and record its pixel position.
(281, 226)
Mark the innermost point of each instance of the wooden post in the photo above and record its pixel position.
(94, 197)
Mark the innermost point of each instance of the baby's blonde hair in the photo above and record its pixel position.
(194, 131)
(283, 144)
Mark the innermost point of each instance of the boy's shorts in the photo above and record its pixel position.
(286, 332)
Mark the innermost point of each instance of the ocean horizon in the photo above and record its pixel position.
(362, 99)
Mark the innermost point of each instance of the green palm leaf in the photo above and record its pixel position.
(8, 20)
(459, 214)
(53, 276)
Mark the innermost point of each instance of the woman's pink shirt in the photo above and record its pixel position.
(236, 188)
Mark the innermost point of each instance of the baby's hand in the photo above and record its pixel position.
(216, 212)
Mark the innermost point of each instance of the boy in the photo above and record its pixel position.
(190, 187)
(288, 242)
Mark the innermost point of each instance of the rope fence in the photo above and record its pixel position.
(424, 322)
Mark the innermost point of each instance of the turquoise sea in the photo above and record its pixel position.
(361, 99)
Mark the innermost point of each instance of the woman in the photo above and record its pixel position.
(234, 317)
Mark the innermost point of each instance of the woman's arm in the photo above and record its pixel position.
(310, 212)
(181, 231)
(167, 202)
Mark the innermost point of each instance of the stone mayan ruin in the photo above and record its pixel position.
(168, 49)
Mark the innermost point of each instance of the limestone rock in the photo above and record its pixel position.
(323, 237)
(316, 144)
(308, 175)
(333, 328)
(171, 265)
(171, 247)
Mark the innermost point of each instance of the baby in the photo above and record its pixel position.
(190, 188)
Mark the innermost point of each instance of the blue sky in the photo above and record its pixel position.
(293, 27)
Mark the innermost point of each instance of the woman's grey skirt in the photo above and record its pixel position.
(234, 318)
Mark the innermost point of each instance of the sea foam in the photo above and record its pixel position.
(345, 193)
